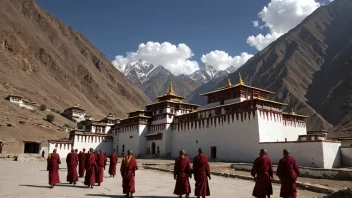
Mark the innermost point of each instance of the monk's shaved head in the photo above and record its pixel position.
(54, 151)
(76, 150)
(91, 150)
(84, 149)
(286, 152)
(72, 150)
(263, 152)
(200, 150)
(100, 151)
(129, 152)
(182, 152)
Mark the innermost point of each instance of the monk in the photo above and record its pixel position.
(262, 171)
(47, 161)
(101, 161)
(201, 172)
(288, 172)
(53, 166)
(182, 170)
(127, 170)
(72, 161)
(91, 164)
(82, 160)
(113, 162)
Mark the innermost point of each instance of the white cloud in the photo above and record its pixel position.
(280, 16)
(172, 57)
(255, 23)
(220, 60)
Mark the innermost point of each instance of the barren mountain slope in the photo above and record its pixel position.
(308, 67)
(46, 61)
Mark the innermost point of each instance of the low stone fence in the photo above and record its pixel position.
(306, 186)
(319, 173)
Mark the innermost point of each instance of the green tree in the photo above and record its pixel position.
(42, 107)
(50, 117)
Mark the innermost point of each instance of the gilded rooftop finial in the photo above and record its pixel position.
(292, 112)
(239, 80)
(171, 90)
(76, 105)
(228, 84)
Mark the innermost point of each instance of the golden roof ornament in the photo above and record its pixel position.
(292, 112)
(171, 90)
(239, 79)
(228, 84)
(76, 105)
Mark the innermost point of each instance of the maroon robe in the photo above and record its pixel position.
(201, 171)
(82, 161)
(91, 163)
(72, 161)
(182, 170)
(53, 166)
(288, 172)
(99, 174)
(263, 170)
(113, 162)
(127, 171)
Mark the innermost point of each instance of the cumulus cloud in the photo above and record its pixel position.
(280, 16)
(221, 60)
(177, 59)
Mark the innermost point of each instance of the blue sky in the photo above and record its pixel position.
(119, 26)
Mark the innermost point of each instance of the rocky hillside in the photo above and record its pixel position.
(310, 67)
(48, 62)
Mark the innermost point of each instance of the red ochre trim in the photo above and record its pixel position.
(61, 141)
(331, 141)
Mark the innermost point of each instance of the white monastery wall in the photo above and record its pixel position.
(293, 129)
(270, 127)
(331, 152)
(308, 154)
(143, 130)
(130, 141)
(95, 142)
(157, 143)
(234, 141)
(61, 148)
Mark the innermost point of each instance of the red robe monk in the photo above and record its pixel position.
(53, 166)
(182, 170)
(201, 171)
(113, 162)
(288, 172)
(91, 163)
(101, 161)
(72, 161)
(82, 160)
(127, 170)
(262, 172)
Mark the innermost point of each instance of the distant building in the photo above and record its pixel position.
(75, 113)
(22, 102)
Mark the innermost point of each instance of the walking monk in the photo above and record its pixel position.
(72, 161)
(201, 171)
(128, 168)
(182, 170)
(82, 161)
(53, 166)
(101, 161)
(262, 172)
(91, 164)
(288, 172)
(113, 162)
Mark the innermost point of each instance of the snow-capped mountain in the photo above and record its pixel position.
(154, 79)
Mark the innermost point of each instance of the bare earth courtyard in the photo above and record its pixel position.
(30, 180)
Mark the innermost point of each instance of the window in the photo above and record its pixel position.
(131, 137)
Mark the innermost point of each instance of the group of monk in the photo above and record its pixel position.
(287, 171)
(93, 166)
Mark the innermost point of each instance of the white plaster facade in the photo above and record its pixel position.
(24, 103)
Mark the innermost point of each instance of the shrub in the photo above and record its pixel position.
(42, 107)
(50, 117)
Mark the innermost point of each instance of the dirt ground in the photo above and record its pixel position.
(226, 168)
(32, 182)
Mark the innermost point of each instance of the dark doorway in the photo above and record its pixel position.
(213, 152)
(123, 150)
(157, 150)
(117, 150)
(31, 147)
(153, 148)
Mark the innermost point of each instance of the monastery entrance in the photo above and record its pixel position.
(153, 148)
(213, 152)
(31, 147)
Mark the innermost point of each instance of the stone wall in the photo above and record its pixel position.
(346, 156)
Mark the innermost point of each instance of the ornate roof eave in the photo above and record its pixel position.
(170, 101)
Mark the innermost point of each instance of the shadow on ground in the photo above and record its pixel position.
(120, 196)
